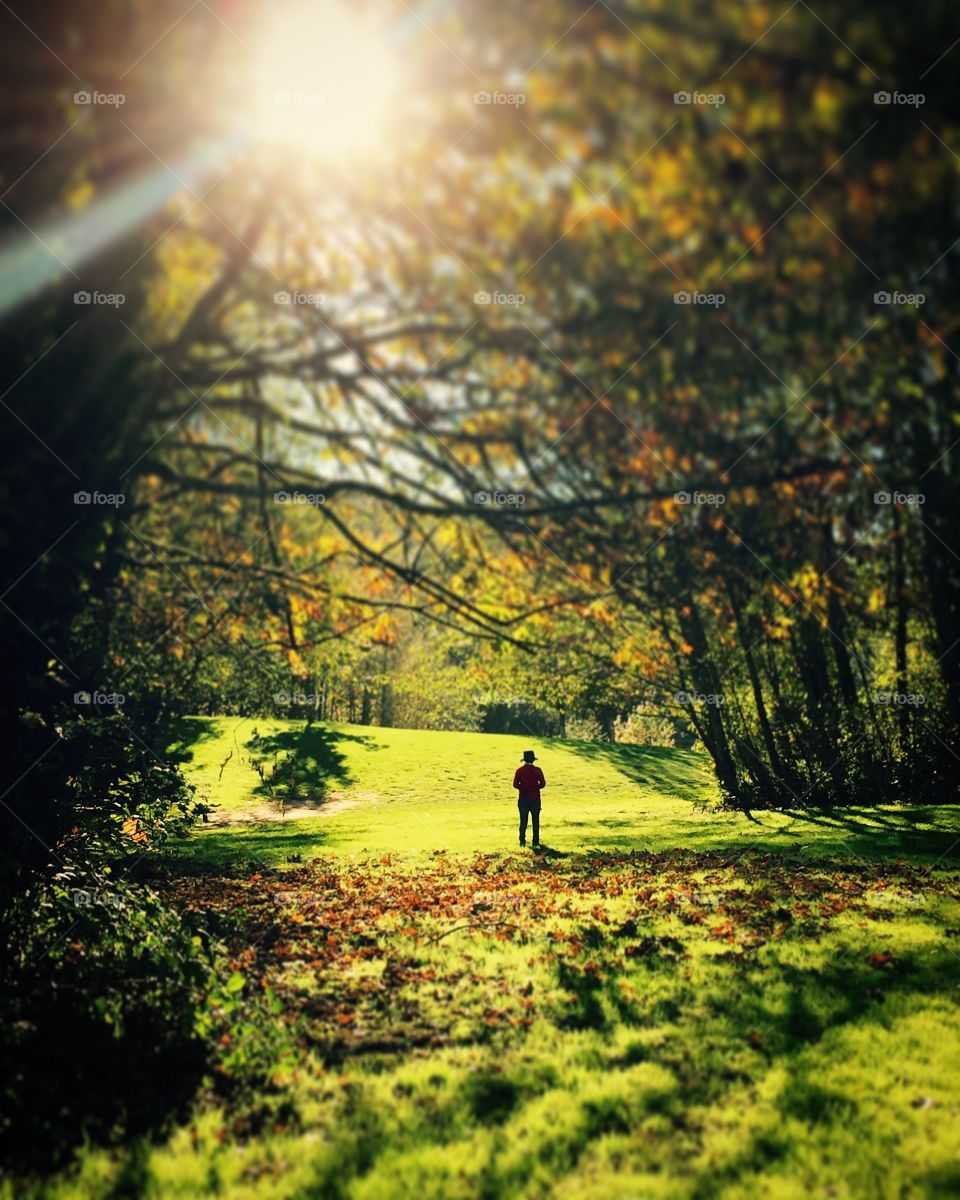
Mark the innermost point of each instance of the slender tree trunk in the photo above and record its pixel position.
(900, 628)
(706, 680)
(811, 660)
(836, 617)
(747, 641)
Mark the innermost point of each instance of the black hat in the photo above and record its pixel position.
(529, 756)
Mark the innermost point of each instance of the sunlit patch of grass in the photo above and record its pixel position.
(411, 792)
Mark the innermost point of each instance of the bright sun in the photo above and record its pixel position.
(324, 79)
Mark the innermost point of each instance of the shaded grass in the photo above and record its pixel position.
(313, 750)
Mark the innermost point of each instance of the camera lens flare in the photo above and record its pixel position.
(322, 81)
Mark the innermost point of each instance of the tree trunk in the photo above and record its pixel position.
(900, 628)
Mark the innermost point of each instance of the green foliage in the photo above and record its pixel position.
(99, 1007)
(253, 1052)
(124, 799)
(100, 979)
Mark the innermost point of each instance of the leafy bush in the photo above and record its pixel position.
(253, 1052)
(98, 1013)
(123, 797)
(118, 1015)
(100, 982)
(651, 725)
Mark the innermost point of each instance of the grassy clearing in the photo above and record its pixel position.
(772, 1009)
(415, 791)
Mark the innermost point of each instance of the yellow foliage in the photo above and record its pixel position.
(385, 631)
(186, 266)
(826, 103)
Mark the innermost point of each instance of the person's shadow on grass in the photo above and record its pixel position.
(544, 851)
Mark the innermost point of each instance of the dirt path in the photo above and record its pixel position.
(261, 811)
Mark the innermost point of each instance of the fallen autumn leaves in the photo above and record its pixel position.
(361, 953)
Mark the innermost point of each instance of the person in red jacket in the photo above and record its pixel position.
(528, 780)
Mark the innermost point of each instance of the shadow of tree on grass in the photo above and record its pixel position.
(921, 832)
(298, 766)
(684, 773)
(186, 733)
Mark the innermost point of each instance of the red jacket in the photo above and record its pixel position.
(528, 781)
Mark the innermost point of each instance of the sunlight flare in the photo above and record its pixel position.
(323, 81)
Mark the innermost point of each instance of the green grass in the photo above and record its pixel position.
(414, 791)
(673, 1003)
(673, 1025)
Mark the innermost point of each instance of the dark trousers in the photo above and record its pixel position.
(529, 808)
